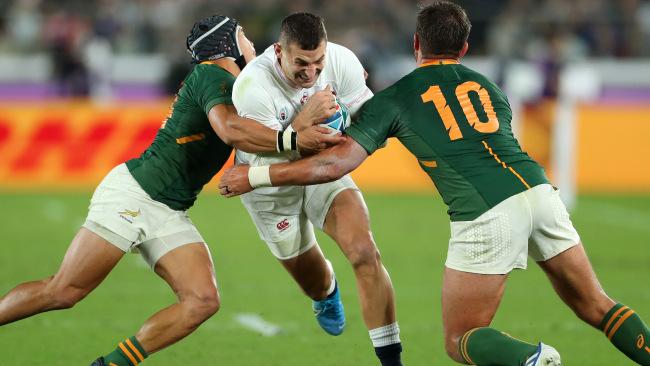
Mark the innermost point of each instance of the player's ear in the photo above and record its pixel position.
(463, 51)
(278, 49)
(416, 42)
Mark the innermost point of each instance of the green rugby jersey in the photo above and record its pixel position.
(457, 123)
(186, 152)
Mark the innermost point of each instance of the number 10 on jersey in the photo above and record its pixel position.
(434, 94)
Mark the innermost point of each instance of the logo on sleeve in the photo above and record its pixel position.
(283, 115)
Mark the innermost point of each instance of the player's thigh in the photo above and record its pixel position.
(281, 224)
(496, 242)
(189, 271)
(469, 300)
(87, 262)
(552, 230)
(175, 231)
(347, 220)
(320, 199)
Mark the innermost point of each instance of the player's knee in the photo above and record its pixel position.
(202, 305)
(364, 255)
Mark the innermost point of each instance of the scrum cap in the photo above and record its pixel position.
(213, 38)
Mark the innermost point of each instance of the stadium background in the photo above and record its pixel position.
(84, 85)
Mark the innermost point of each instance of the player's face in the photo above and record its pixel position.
(301, 67)
(247, 47)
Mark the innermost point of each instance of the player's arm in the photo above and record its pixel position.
(242, 133)
(253, 137)
(326, 166)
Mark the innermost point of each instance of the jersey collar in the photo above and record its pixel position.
(445, 61)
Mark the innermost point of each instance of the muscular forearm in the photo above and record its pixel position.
(327, 166)
(314, 170)
(250, 136)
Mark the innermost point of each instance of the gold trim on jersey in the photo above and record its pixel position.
(446, 61)
(430, 164)
(191, 138)
(489, 149)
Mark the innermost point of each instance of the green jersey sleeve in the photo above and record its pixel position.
(376, 122)
(212, 86)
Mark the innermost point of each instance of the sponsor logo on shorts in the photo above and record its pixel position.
(283, 225)
(131, 214)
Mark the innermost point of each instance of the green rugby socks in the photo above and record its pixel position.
(128, 353)
(487, 346)
(625, 329)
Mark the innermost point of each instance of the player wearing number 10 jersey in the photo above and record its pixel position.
(501, 205)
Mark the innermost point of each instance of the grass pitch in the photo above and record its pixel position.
(412, 233)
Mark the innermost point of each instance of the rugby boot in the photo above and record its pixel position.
(544, 356)
(98, 362)
(330, 314)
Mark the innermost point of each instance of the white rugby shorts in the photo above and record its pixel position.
(532, 223)
(122, 213)
(285, 219)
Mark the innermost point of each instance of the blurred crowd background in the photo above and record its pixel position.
(78, 40)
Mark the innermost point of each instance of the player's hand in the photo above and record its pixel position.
(234, 181)
(319, 107)
(317, 138)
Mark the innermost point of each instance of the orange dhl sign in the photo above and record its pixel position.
(71, 143)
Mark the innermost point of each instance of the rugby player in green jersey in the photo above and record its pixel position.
(502, 207)
(143, 203)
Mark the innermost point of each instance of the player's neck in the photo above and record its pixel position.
(226, 64)
(438, 60)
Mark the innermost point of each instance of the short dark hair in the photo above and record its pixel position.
(443, 28)
(305, 29)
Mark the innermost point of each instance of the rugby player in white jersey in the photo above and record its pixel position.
(271, 90)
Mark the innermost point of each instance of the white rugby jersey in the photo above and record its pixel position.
(262, 92)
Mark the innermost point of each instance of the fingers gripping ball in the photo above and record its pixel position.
(340, 120)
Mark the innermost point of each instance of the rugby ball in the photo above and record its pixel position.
(340, 120)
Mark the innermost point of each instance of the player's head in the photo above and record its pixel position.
(301, 48)
(217, 37)
(442, 30)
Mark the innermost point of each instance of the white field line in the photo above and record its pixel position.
(257, 324)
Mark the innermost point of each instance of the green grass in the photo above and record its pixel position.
(412, 232)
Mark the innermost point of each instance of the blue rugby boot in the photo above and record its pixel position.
(330, 314)
(98, 362)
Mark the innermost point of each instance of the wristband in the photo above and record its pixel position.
(279, 146)
(259, 176)
(287, 140)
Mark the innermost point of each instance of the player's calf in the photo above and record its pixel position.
(629, 334)
(488, 346)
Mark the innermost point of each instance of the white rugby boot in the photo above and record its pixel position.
(544, 356)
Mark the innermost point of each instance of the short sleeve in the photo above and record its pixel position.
(352, 90)
(375, 124)
(253, 101)
(212, 86)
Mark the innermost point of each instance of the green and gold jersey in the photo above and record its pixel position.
(457, 123)
(186, 152)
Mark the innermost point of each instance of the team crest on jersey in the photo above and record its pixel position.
(283, 114)
(304, 98)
